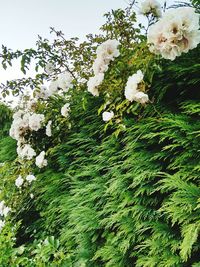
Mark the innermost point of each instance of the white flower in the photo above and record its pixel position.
(19, 125)
(2, 224)
(19, 181)
(30, 178)
(107, 115)
(151, 6)
(108, 50)
(6, 211)
(65, 110)
(40, 161)
(49, 68)
(31, 196)
(94, 82)
(25, 152)
(132, 85)
(141, 98)
(99, 65)
(18, 114)
(36, 121)
(53, 87)
(176, 33)
(48, 128)
(31, 104)
(3, 209)
(65, 81)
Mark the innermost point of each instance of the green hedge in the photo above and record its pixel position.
(132, 200)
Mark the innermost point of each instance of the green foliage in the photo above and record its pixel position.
(7, 144)
(126, 201)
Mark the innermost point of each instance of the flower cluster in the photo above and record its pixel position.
(22, 122)
(132, 92)
(4, 210)
(20, 181)
(175, 33)
(25, 151)
(26, 120)
(151, 7)
(61, 84)
(106, 53)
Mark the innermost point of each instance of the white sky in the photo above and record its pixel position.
(22, 20)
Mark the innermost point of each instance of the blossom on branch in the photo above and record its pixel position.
(175, 33)
(25, 151)
(40, 161)
(132, 92)
(65, 110)
(106, 53)
(94, 82)
(151, 7)
(48, 128)
(19, 181)
(107, 115)
(30, 178)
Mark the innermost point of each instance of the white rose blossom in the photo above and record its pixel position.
(175, 33)
(65, 110)
(107, 115)
(94, 82)
(40, 160)
(99, 66)
(4, 210)
(48, 128)
(36, 121)
(131, 90)
(30, 178)
(108, 50)
(65, 81)
(53, 87)
(25, 151)
(19, 181)
(31, 104)
(151, 7)
(141, 98)
(19, 125)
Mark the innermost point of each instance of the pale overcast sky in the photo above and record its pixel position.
(22, 20)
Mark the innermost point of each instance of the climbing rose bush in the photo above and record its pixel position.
(106, 82)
